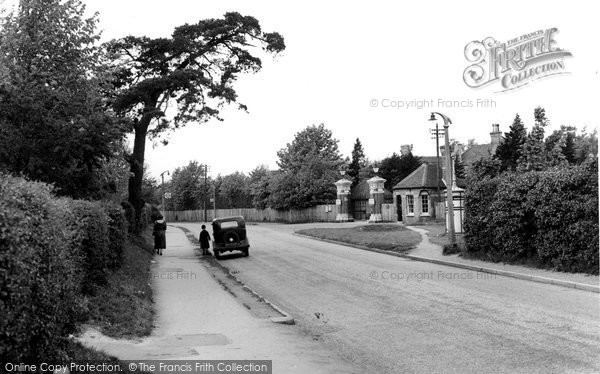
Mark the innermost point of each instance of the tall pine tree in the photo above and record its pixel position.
(358, 162)
(510, 149)
(534, 150)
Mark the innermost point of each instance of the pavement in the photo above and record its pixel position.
(197, 319)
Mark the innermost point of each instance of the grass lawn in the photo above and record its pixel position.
(123, 308)
(381, 236)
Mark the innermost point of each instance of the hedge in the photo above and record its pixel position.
(548, 218)
(40, 276)
(51, 251)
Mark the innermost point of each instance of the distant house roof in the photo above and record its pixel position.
(476, 152)
(431, 159)
(362, 192)
(424, 177)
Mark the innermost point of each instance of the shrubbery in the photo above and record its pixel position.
(92, 235)
(51, 250)
(546, 217)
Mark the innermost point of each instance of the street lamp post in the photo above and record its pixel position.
(437, 158)
(449, 201)
(162, 179)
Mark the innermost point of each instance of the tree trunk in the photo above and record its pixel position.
(136, 164)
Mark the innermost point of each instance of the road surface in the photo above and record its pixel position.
(386, 314)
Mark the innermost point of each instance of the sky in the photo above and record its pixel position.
(350, 65)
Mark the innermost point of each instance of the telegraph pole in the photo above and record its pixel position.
(214, 201)
(205, 192)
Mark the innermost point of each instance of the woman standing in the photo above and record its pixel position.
(160, 240)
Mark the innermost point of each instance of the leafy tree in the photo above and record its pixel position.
(196, 68)
(555, 156)
(569, 147)
(395, 168)
(234, 191)
(565, 139)
(112, 176)
(283, 190)
(187, 187)
(358, 162)
(484, 168)
(151, 191)
(390, 169)
(309, 167)
(533, 150)
(586, 144)
(509, 151)
(260, 186)
(54, 122)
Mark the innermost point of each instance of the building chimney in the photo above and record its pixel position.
(405, 149)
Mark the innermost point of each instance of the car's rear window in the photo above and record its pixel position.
(228, 224)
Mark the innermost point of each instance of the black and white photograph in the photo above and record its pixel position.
(299, 187)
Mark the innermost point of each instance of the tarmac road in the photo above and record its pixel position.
(386, 314)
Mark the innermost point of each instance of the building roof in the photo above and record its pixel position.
(431, 159)
(424, 177)
(476, 152)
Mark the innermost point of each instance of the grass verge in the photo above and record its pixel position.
(123, 308)
(381, 236)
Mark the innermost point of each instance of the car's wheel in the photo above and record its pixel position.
(217, 254)
(246, 252)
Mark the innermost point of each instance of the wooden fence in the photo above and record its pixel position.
(319, 213)
(388, 213)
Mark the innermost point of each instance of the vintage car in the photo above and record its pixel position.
(229, 234)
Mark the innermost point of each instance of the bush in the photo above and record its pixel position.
(513, 218)
(566, 209)
(478, 225)
(117, 233)
(129, 211)
(52, 251)
(546, 217)
(93, 236)
(40, 272)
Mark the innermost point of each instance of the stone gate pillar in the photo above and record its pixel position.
(343, 201)
(376, 198)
